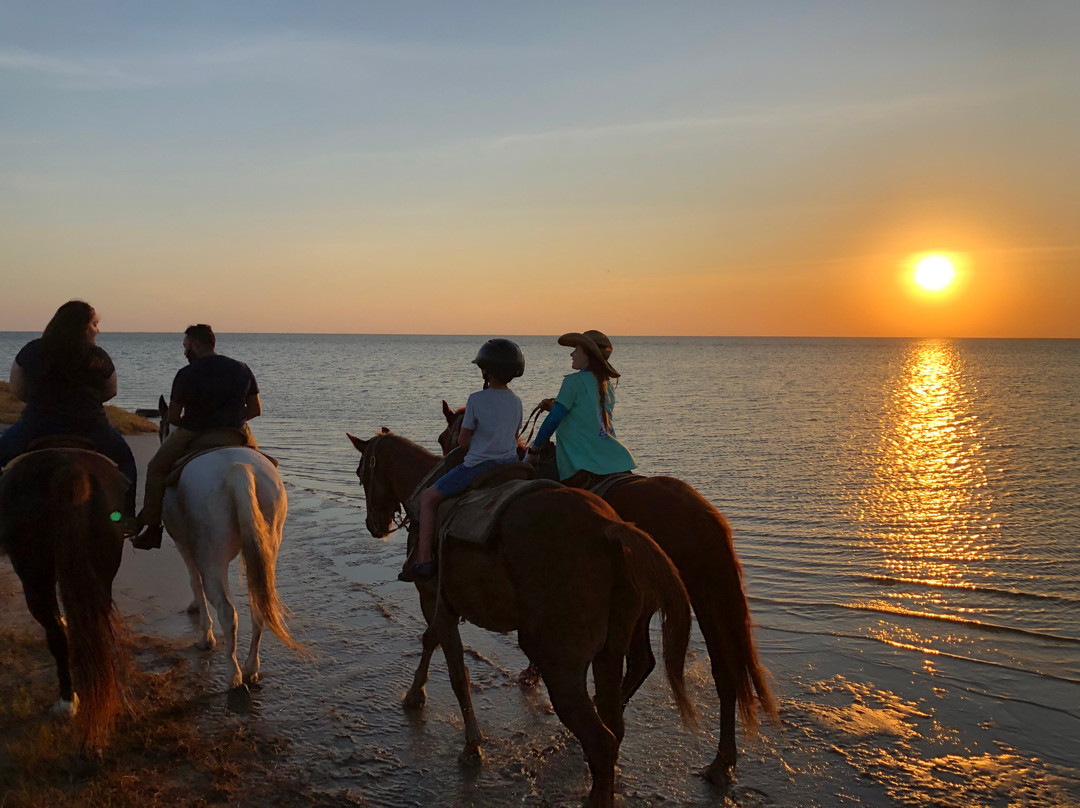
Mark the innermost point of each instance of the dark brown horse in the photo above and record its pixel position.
(59, 523)
(698, 540)
(566, 574)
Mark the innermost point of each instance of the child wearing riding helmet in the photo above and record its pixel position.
(489, 431)
(582, 413)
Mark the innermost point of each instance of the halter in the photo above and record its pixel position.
(367, 468)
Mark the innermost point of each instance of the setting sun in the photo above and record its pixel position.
(934, 272)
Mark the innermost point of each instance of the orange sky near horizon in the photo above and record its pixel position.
(693, 171)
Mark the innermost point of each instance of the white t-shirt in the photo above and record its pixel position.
(494, 416)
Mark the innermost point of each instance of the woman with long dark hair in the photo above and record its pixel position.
(582, 415)
(65, 379)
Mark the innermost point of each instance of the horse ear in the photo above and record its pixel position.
(385, 430)
(161, 405)
(448, 413)
(359, 444)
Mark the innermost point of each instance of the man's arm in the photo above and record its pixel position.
(252, 407)
(18, 381)
(176, 409)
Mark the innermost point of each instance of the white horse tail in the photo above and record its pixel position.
(259, 547)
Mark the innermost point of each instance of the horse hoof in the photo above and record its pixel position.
(414, 701)
(251, 679)
(529, 678)
(64, 708)
(206, 644)
(239, 699)
(719, 773)
(471, 756)
(89, 762)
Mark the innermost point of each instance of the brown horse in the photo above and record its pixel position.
(59, 523)
(698, 540)
(564, 572)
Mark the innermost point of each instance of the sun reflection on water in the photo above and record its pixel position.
(926, 508)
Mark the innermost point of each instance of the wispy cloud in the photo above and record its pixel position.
(269, 58)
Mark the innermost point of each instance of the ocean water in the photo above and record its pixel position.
(907, 513)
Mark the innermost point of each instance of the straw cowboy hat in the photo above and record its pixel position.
(595, 343)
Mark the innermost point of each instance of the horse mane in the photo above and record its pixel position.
(408, 445)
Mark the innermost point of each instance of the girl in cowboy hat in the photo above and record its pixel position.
(581, 413)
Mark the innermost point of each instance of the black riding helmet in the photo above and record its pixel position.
(502, 359)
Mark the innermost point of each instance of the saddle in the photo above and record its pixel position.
(471, 516)
(76, 443)
(609, 481)
(211, 440)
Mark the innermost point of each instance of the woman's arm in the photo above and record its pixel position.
(18, 381)
(551, 423)
(108, 389)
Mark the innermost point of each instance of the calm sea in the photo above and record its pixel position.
(907, 513)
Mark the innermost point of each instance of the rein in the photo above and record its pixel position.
(530, 423)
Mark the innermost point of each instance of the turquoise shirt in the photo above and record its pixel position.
(582, 441)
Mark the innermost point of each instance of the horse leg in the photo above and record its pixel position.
(719, 772)
(416, 698)
(639, 659)
(198, 603)
(251, 664)
(446, 628)
(217, 592)
(40, 594)
(570, 698)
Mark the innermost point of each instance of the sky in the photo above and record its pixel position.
(643, 168)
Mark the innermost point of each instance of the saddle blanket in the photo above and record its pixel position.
(472, 516)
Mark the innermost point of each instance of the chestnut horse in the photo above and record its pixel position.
(564, 572)
(60, 524)
(697, 539)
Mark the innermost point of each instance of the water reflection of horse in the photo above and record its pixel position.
(227, 502)
(698, 540)
(59, 523)
(566, 574)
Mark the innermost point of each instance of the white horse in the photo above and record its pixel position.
(230, 501)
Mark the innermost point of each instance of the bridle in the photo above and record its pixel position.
(366, 473)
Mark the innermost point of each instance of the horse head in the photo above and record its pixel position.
(373, 472)
(448, 438)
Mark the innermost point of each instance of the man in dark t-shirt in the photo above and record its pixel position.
(212, 392)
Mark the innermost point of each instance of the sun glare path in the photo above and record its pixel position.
(934, 272)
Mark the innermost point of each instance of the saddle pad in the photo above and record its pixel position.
(174, 475)
(472, 516)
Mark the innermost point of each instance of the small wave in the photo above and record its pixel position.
(896, 611)
(923, 649)
(1012, 593)
(962, 621)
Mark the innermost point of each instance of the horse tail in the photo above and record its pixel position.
(259, 546)
(100, 659)
(726, 610)
(656, 580)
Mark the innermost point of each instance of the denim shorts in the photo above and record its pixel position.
(458, 478)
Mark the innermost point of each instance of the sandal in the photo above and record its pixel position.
(417, 572)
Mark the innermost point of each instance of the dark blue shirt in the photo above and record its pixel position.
(214, 390)
(66, 393)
